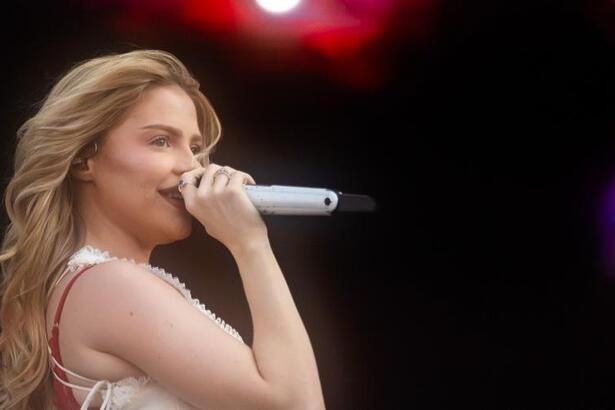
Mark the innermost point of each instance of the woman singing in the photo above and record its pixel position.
(114, 163)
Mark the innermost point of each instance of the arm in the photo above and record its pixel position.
(123, 310)
(281, 344)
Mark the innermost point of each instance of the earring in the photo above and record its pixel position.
(82, 160)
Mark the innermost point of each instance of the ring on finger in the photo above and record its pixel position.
(224, 171)
(181, 183)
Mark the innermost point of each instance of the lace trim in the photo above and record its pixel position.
(91, 255)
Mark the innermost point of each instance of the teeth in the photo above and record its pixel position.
(175, 195)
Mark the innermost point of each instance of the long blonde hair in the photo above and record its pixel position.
(45, 229)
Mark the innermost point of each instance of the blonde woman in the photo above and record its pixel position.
(86, 322)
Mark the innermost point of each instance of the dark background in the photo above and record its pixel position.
(477, 284)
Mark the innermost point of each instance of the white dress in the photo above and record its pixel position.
(130, 393)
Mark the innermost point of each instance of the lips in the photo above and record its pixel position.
(167, 191)
(177, 203)
(166, 194)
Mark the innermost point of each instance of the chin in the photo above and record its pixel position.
(186, 232)
(179, 233)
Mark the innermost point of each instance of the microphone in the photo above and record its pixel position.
(297, 200)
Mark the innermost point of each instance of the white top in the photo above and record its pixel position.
(132, 393)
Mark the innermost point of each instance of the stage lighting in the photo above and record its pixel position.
(277, 6)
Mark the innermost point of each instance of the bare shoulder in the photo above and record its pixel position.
(107, 293)
(140, 318)
(123, 278)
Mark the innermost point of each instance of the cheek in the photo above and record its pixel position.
(136, 176)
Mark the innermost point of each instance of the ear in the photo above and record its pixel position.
(83, 171)
(82, 167)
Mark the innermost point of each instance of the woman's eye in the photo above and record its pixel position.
(160, 139)
(165, 139)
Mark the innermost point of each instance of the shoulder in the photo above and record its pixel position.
(117, 276)
(131, 313)
(107, 296)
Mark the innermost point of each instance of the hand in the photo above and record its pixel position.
(223, 207)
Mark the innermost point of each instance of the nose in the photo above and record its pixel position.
(187, 161)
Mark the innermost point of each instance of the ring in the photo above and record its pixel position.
(181, 184)
(223, 171)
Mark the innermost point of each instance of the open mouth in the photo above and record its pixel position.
(174, 199)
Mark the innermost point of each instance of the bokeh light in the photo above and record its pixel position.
(278, 6)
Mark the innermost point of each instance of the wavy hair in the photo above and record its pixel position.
(44, 228)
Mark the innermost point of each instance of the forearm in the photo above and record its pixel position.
(281, 344)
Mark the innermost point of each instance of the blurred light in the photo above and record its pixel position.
(606, 229)
(354, 43)
(277, 6)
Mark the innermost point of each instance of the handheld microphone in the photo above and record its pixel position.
(297, 200)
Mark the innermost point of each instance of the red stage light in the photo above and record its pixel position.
(354, 41)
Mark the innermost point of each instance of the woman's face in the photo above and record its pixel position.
(138, 159)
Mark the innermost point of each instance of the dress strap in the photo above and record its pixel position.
(99, 385)
(56, 363)
(106, 404)
(63, 298)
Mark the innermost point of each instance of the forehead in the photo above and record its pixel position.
(164, 104)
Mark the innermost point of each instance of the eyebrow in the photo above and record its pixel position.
(171, 130)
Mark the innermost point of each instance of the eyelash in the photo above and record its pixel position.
(165, 138)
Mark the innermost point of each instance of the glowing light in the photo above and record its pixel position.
(277, 6)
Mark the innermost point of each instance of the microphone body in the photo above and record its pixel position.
(297, 200)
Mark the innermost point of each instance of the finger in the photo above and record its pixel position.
(239, 179)
(207, 180)
(190, 179)
(221, 180)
